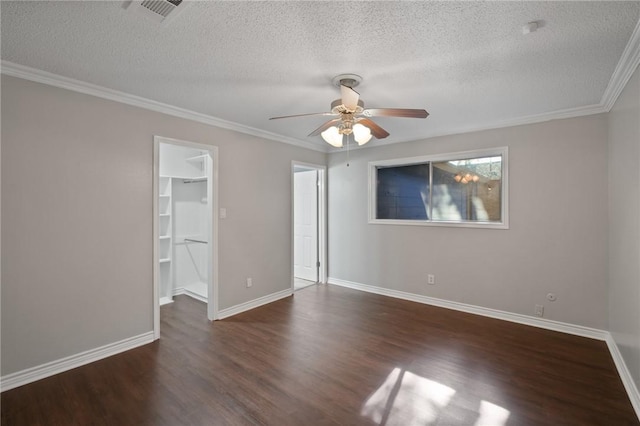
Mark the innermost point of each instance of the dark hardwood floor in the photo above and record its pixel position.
(333, 356)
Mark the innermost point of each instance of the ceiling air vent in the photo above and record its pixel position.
(161, 7)
(159, 10)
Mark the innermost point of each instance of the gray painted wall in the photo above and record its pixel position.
(624, 225)
(77, 219)
(557, 241)
(77, 235)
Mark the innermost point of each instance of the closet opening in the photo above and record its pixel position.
(185, 224)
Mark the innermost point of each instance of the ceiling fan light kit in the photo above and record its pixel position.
(352, 117)
(332, 136)
(361, 133)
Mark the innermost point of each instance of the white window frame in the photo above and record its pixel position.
(452, 156)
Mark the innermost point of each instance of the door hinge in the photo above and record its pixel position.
(318, 264)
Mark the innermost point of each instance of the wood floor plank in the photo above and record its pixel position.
(334, 356)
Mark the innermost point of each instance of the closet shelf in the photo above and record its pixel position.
(194, 179)
(183, 244)
(185, 177)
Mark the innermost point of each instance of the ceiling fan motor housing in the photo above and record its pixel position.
(346, 127)
(338, 108)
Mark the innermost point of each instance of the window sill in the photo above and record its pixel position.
(483, 225)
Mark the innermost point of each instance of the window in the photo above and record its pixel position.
(458, 189)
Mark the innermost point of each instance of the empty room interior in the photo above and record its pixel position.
(300, 213)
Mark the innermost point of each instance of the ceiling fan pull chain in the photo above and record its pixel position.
(347, 150)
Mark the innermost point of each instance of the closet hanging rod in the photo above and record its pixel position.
(194, 241)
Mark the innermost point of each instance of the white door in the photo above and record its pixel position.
(305, 225)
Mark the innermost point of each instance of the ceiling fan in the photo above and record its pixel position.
(352, 117)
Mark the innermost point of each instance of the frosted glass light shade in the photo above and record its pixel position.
(332, 137)
(362, 134)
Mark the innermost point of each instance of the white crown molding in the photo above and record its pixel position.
(624, 70)
(246, 306)
(44, 77)
(519, 121)
(39, 372)
(530, 119)
(577, 330)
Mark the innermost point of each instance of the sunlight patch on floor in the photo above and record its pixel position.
(406, 398)
(492, 415)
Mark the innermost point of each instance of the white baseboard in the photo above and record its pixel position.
(169, 299)
(165, 300)
(32, 374)
(234, 310)
(578, 330)
(194, 295)
(625, 375)
(183, 290)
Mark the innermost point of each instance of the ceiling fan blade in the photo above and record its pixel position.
(376, 130)
(325, 126)
(395, 112)
(302, 115)
(349, 97)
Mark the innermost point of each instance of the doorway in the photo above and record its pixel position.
(185, 224)
(309, 225)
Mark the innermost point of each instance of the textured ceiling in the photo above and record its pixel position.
(467, 63)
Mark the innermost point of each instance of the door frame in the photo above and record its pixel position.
(212, 218)
(322, 218)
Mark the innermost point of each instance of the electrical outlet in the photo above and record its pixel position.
(431, 279)
(249, 282)
(539, 310)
